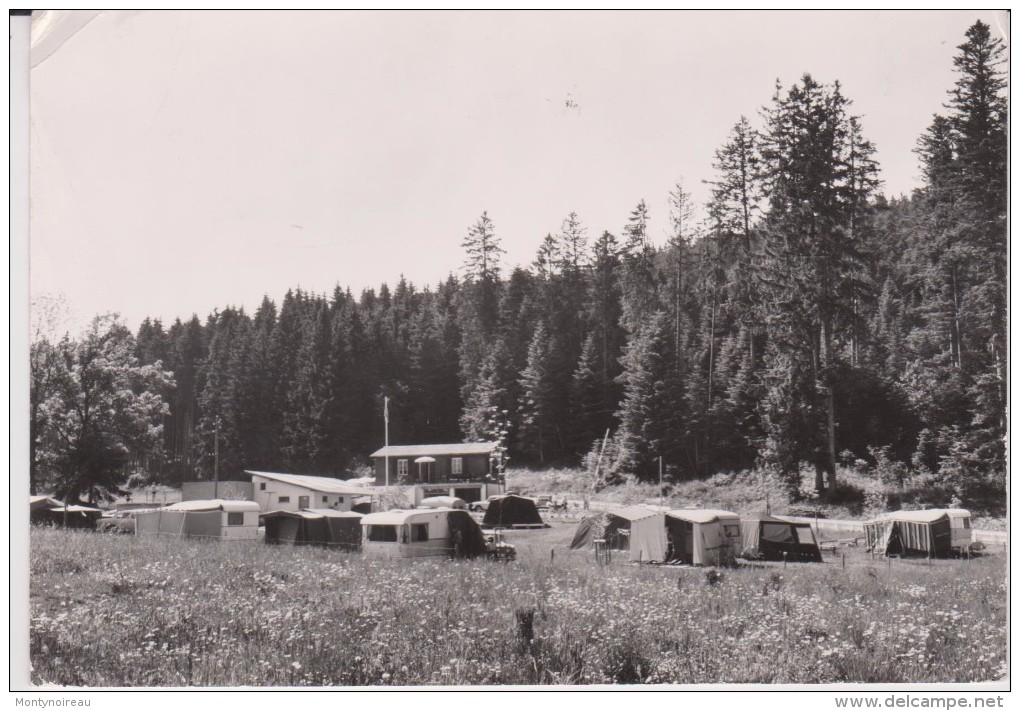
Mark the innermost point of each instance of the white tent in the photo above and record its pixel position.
(692, 536)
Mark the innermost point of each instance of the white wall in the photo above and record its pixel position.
(269, 499)
(248, 531)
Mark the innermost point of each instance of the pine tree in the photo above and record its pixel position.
(818, 173)
(536, 403)
(638, 278)
(650, 414)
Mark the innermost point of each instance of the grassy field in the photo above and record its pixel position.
(124, 611)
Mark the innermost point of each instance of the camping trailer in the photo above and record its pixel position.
(317, 527)
(441, 502)
(612, 526)
(421, 533)
(767, 537)
(934, 533)
(686, 536)
(512, 511)
(211, 519)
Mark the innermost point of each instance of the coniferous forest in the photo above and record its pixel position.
(810, 321)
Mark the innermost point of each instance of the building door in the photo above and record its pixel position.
(302, 502)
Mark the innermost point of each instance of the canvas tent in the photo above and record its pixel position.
(322, 527)
(512, 510)
(767, 537)
(918, 533)
(612, 526)
(212, 519)
(47, 511)
(691, 536)
(421, 533)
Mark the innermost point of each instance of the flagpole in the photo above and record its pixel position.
(386, 419)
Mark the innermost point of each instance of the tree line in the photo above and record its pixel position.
(808, 321)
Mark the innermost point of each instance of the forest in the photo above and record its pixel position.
(809, 322)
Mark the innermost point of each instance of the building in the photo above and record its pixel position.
(294, 492)
(227, 490)
(464, 470)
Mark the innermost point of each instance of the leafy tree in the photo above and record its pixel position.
(103, 416)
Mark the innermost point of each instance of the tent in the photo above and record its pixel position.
(47, 511)
(438, 502)
(691, 536)
(323, 527)
(512, 510)
(919, 533)
(421, 533)
(767, 537)
(612, 526)
(213, 519)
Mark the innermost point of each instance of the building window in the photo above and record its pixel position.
(325, 499)
(262, 486)
(457, 466)
(401, 467)
(284, 500)
(339, 499)
(235, 518)
(419, 532)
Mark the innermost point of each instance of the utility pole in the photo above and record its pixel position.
(660, 481)
(216, 461)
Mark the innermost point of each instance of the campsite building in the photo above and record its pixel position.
(212, 519)
(321, 527)
(688, 536)
(767, 537)
(464, 470)
(294, 492)
(934, 533)
(421, 533)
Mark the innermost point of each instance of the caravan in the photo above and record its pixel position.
(421, 533)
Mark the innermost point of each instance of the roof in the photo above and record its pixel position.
(701, 515)
(213, 505)
(929, 516)
(37, 502)
(313, 514)
(432, 450)
(439, 502)
(74, 508)
(631, 513)
(770, 518)
(398, 517)
(324, 484)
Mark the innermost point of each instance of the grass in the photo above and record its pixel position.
(112, 611)
(741, 492)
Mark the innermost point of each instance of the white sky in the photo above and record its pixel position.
(184, 161)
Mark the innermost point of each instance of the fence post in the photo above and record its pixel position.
(844, 561)
(784, 560)
(552, 555)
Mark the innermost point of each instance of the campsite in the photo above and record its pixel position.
(171, 611)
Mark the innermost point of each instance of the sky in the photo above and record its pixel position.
(185, 161)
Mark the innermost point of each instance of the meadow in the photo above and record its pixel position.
(121, 611)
